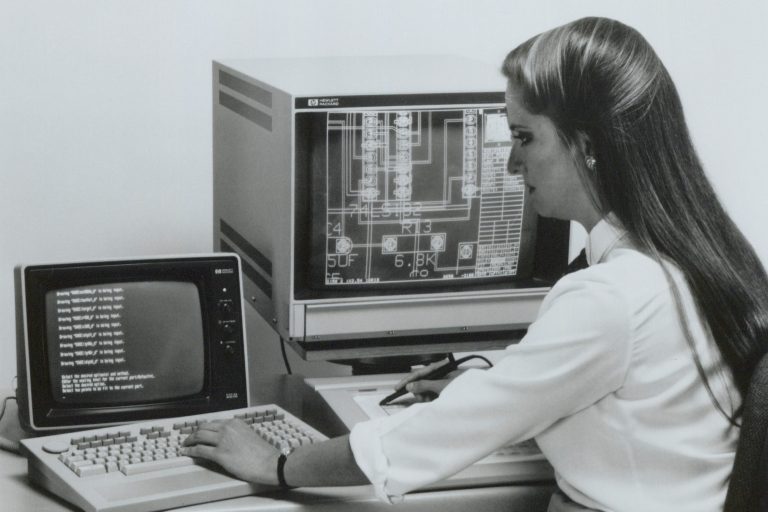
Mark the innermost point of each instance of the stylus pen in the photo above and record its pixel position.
(435, 374)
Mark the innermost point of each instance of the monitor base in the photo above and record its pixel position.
(390, 364)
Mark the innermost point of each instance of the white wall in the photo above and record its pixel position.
(105, 110)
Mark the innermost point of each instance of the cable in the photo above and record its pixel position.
(285, 356)
(7, 444)
(12, 427)
(5, 402)
(457, 362)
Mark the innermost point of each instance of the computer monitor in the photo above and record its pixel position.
(370, 201)
(110, 342)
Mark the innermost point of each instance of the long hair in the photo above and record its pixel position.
(601, 78)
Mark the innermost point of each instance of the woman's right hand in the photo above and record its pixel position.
(423, 389)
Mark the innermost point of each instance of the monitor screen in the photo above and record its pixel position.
(414, 199)
(117, 341)
(113, 342)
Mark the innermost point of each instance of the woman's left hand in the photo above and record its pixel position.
(235, 447)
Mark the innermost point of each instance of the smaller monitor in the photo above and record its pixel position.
(110, 342)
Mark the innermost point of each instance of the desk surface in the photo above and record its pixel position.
(18, 494)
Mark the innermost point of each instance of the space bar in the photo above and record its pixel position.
(155, 465)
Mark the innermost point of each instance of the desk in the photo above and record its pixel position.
(291, 393)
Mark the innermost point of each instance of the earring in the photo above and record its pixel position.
(591, 162)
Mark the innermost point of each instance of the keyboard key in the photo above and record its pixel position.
(95, 469)
(144, 467)
(74, 465)
(70, 457)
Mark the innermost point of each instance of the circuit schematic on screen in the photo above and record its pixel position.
(420, 195)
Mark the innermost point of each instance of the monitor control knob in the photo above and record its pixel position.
(228, 328)
(225, 306)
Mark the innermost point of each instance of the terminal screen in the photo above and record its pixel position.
(125, 342)
(420, 196)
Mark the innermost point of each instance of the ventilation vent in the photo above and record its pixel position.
(247, 250)
(249, 271)
(247, 89)
(254, 115)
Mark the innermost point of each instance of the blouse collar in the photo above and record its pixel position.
(604, 237)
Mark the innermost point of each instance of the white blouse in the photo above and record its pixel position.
(604, 380)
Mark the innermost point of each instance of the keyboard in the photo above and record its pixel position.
(138, 467)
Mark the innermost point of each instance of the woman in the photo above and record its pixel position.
(632, 376)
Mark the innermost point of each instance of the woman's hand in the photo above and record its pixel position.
(423, 389)
(235, 447)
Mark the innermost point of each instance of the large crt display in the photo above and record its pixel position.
(370, 203)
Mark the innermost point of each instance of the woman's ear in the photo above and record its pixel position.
(584, 144)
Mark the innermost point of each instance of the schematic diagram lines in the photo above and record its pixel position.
(420, 195)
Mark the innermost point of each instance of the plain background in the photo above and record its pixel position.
(105, 108)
